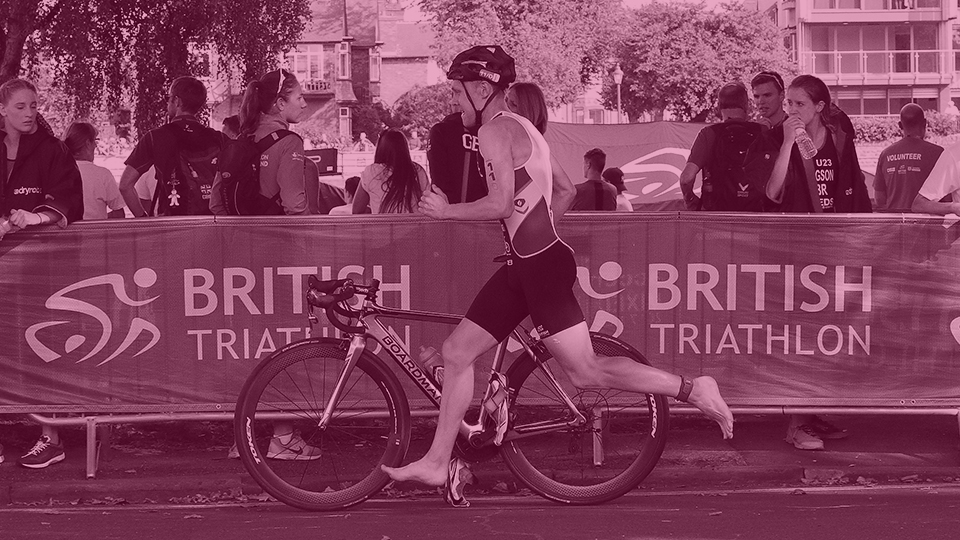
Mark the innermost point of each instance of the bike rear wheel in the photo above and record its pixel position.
(611, 454)
(370, 425)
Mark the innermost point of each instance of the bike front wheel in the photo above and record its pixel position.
(333, 467)
(620, 443)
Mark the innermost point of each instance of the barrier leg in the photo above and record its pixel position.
(91, 446)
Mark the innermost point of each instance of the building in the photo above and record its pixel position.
(875, 55)
(407, 56)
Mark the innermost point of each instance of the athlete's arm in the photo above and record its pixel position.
(923, 205)
(496, 145)
(564, 191)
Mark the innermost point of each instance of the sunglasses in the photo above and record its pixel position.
(280, 80)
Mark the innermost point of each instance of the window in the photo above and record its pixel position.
(375, 63)
(343, 61)
(306, 63)
(850, 106)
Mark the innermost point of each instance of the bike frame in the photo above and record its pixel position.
(369, 320)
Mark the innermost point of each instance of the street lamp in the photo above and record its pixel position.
(618, 79)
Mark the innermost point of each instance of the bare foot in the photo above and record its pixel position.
(706, 397)
(423, 471)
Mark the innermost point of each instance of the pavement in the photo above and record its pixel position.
(185, 462)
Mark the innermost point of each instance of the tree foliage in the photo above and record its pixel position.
(558, 44)
(133, 49)
(679, 55)
(419, 108)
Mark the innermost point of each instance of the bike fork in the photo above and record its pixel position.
(357, 344)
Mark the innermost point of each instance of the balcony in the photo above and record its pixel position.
(316, 87)
(878, 11)
(927, 67)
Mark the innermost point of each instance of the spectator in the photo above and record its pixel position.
(719, 151)
(526, 99)
(349, 191)
(768, 98)
(940, 193)
(453, 158)
(42, 186)
(904, 165)
(101, 194)
(393, 183)
(615, 176)
(594, 194)
(180, 144)
(231, 126)
(832, 182)
(270, 104)
(363, 144)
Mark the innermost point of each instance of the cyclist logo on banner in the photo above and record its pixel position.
(143, 278)
(609, 272)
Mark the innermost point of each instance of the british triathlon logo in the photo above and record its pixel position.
(65, 300)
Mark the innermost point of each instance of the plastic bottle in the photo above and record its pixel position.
(430, 359)
(805, 144)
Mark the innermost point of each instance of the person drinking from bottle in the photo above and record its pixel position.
(828, 178)
(537, 276)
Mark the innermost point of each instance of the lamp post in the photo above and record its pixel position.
(618, 79)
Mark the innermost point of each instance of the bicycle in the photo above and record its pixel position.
(567, 445)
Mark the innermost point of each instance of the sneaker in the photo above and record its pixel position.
(826, 430)
(43, 454)
(294, 449)
(233, 453)
(803, 437)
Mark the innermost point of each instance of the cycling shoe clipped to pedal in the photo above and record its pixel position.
(458, 477)
(495, 403)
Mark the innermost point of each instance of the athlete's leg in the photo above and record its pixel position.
(467, 342)
(574, 352)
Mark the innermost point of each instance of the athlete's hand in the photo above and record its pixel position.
(433, 202)
(790, 127)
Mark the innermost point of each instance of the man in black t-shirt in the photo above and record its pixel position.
(904, 166)
(453, 159)
(719, 151)
(184, 153)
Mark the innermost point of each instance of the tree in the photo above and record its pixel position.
(135, 48)
(679, 56)
(559, 44)
(419, 108)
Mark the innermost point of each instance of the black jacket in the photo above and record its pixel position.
(44, 177)
(851, 196)
(450, 143)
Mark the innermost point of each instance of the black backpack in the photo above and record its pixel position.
(724, 187)
(185, 189)
(240, 176)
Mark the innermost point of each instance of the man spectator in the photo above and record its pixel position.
(453, 158)
(939, 193)
(904, 165)
(349, 190)
(768, 94)
(182, 143)
(595, 194)
(719, 151)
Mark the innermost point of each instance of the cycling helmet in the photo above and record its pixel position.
(484, 63)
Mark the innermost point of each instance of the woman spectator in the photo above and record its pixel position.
(614, 176)
(270, 104)
(526, 99)
(829, 182)
(40, 185)
(101, 193)
(393, 183)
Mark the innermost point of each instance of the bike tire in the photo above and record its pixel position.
(630, 431)
(370, 424)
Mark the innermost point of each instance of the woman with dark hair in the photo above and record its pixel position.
(393, 183)
(831, 181)
(526, 99)
(101, 193)
(39, 185)
(270, 104)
